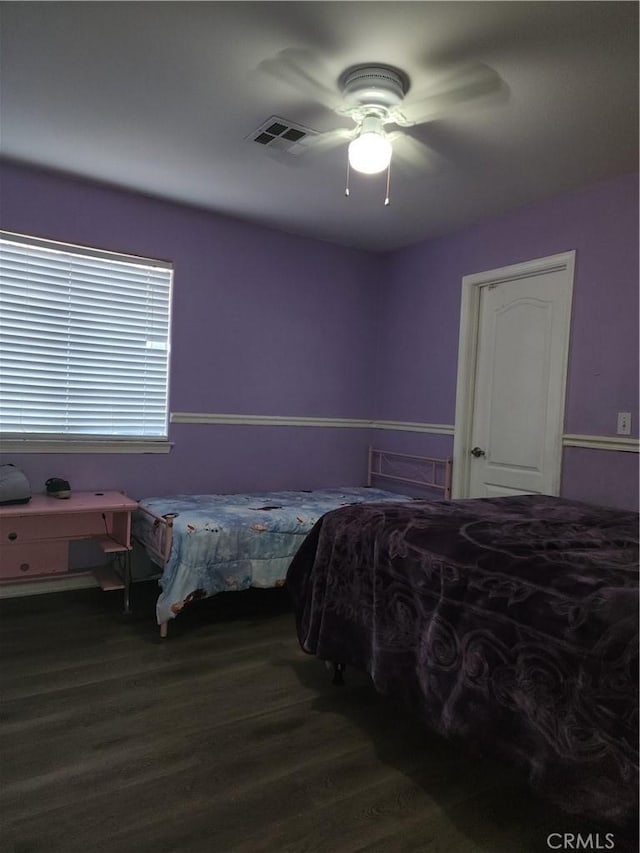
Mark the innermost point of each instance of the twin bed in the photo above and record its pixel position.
(509, 622)
(207, 544)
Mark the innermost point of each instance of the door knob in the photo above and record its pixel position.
(477, 452)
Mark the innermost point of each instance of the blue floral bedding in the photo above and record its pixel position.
(232, 542)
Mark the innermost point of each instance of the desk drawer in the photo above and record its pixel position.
(34, 528)
(25, 560)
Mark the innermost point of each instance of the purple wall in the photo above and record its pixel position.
(263, 323)
(269, 323)
(419, 323)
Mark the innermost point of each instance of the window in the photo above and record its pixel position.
(84, 344)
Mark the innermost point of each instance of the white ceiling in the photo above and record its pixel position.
(159, 97)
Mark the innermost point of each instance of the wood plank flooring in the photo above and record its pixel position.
(226, 738)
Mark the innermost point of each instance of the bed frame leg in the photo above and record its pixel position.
(338, 670)
(164, 627)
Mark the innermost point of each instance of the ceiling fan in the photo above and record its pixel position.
(377, 98)
(372, 96)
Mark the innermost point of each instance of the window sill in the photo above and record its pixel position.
(82, 445)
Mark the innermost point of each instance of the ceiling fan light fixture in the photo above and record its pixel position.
(370, 152)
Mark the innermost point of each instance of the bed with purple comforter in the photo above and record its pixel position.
(510, 622)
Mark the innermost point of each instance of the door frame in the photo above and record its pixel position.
(467, 358)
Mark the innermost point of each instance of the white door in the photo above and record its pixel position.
(510, 436)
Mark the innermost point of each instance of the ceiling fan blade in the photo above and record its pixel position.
(304, 72)
(331, 139)
(316, 143)
(413, 154)
(472, 84)
(466, 148)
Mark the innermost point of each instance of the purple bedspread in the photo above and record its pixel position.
(511, 622)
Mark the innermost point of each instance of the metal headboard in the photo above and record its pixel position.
(426, 472)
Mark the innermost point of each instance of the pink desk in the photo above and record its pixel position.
(35, 537)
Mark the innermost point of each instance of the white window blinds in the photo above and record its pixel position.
(84, 341)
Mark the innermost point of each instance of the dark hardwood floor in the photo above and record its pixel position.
(226, 738)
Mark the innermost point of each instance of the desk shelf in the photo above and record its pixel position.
(108, 579)
(109, 545)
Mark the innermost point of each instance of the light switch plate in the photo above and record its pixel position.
(624, 423)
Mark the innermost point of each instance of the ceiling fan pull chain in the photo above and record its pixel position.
(386, 198)
(346, 189)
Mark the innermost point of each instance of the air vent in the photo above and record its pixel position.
(282, 135)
